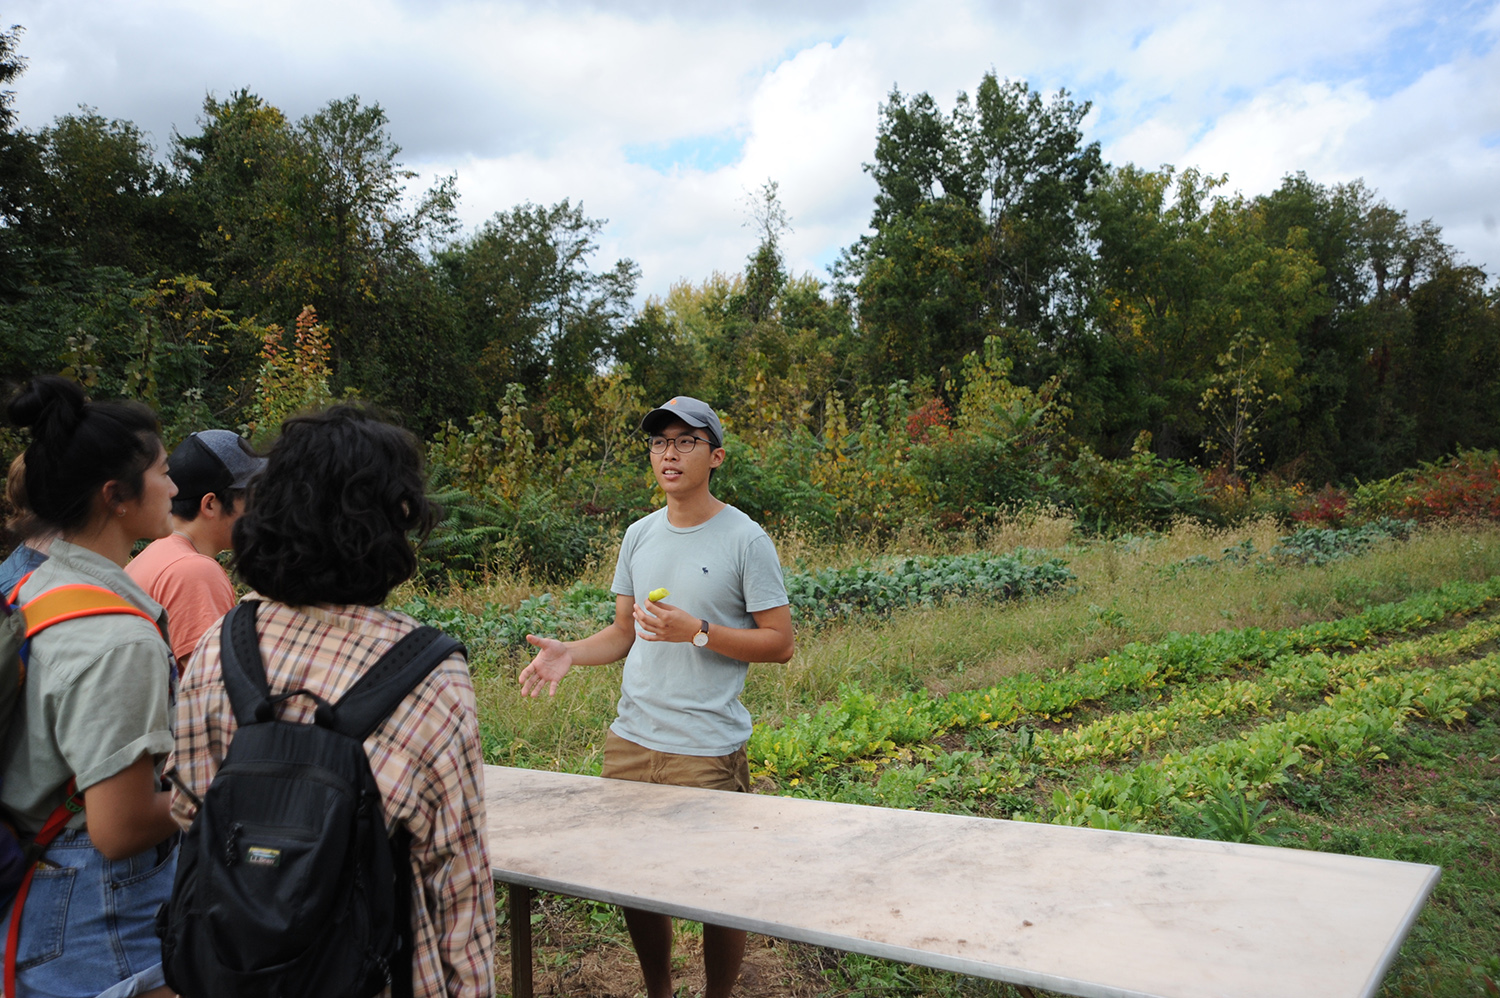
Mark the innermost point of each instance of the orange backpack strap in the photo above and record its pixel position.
(73, 601)
(14, 595)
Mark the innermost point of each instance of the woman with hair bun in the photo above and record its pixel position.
(96, 706)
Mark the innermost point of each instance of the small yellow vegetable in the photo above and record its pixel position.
(657, 595)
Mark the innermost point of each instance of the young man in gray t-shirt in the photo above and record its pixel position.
(680, 719)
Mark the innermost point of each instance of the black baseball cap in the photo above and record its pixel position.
(213, 461)
(694, 412)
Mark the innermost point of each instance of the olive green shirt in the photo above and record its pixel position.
(97, 697)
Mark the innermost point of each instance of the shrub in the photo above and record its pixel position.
(774, 486)
(1466, 486)
(866, 473)
(1142, 491)
(538, 534)
(976, 477)
(1228, 497)
(930, 421)
(1328, 507)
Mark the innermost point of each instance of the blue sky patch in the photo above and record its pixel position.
(1446, 32)
(699, 152)
(826, 258)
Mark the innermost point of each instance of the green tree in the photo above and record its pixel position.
(1447, 378)
(1332, 346)
(1236, 401)
(12, 64)
(77, 203)
(766, 347)
(315, 213)
(15, 165)
(658, 350)
(534, 312)
(979, 230)
(1396, 370)
(238, 168)
(101, 194)
(347, 206)
(1183, 273)
(765, 274)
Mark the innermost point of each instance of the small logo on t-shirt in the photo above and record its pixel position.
(705, 569)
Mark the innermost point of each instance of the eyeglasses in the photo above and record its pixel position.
(684, 443)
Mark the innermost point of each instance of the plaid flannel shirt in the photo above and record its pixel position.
(426, 759)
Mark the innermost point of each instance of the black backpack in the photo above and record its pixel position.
(287, 884)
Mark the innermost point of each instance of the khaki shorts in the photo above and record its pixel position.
(625, 760)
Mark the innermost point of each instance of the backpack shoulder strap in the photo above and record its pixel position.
(14, 596)
(244, 671)
(371, 700)
(72, 601)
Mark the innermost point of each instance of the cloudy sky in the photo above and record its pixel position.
(662, 115)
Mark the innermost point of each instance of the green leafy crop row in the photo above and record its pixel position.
(857, 725)
(1309, 546)
(578, 611)
(843, 592)
(1119, 736)
(1348, 727)
(816, 597)
(1321, 546)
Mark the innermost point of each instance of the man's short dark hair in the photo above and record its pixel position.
(333, 510)
(188, 507)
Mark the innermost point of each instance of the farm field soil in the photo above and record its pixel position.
(1419, 782)
(578, 955)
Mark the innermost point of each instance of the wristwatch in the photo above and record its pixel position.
(701, 638)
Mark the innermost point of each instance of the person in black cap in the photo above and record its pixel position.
(686, 649)
(212, 470)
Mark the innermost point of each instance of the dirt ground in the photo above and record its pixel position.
(575, 963)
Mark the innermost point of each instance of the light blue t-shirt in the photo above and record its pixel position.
(676, 697)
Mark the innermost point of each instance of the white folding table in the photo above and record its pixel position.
(1073, 910)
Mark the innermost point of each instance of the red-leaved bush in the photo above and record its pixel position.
(933, 415)
(1465, 487)
(1326, 507)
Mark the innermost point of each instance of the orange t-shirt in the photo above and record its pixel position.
(191, 586)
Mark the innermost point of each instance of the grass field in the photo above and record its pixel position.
(1125, 700)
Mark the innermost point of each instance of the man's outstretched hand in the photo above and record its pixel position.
(551, 663)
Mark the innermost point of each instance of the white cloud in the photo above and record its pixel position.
(531, 101)
(1291, 127)
(812, 125)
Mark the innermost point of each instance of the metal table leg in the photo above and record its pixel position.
(520, 941)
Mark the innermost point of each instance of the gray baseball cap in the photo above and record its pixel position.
(694, 412)
(213, 461)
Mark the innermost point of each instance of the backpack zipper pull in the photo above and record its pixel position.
(231, 846)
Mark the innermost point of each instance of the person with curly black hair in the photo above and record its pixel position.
(95, 710)
(325, 540)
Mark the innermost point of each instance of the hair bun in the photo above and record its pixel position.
(50, 405)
